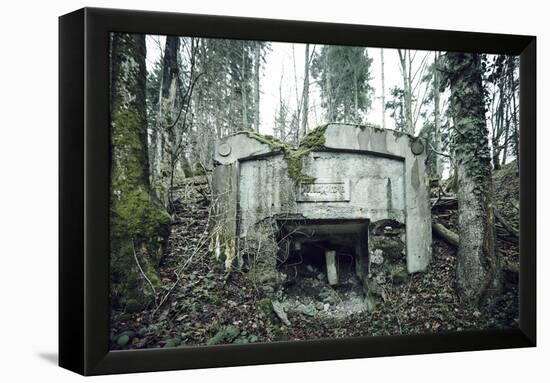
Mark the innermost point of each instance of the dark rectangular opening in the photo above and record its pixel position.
(333, 250)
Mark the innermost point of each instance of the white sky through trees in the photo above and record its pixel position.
(286, 61)
(284, 65)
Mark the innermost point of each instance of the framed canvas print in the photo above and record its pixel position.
(244, 191)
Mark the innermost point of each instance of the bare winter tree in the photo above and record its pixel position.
(305, 93)
(167, 115)
(414, 93)
(383, 91)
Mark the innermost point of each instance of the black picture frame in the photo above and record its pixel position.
(84, 145)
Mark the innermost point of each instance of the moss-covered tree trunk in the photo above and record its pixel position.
(139, 226)
(478, 269)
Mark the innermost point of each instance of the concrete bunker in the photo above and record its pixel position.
(351, 201)
(337, 248)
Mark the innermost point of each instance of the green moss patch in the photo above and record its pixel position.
(225, 335)
(311, 142)
(392, 248)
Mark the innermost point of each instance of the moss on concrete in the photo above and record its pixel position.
(311, 142)
(274, 143)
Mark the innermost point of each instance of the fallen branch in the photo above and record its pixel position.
(141, 270)
(447, 235)
(444, 202)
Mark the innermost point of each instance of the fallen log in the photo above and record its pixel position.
(447, 235)
(446, 202)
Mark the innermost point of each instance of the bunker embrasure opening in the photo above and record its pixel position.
(333, 251)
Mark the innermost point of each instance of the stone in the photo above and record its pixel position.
(268, 289)
(123, 340)
(377, 257)
(280, 311)
(332, 273)
(308, 309)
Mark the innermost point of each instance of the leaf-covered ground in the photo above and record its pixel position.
(199, 304)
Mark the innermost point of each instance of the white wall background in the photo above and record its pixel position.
(28, 191)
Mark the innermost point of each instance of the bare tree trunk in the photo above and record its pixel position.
(355, 98)
(243, 89)
(383, 97)
(478, 269)
(437, 119)
(514, 111)
(257, 59)
(305, 93)
(506, 134)
(499, 128)
(330, 111)
(404, 58)
(169, 90)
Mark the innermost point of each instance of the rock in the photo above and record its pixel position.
(380, 279)
(175, 342)
(280, 311)
(371, 304)
(332, 273)
(399, 275)
(268, 289)
(225, 335)
(308, 309)
(130, 333)
(377, 257)
(319, 305)
(123, 340)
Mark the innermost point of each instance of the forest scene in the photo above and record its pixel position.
(265, 191)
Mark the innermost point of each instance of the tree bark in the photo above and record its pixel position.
(478, 269)
(437, 118)
(167, 116)
(257, 58)
(328, 85)
(244, 106)
(383, 97)
(137, 222)
(305, 93)
(407, 91)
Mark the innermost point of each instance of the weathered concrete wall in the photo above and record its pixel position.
(360, 172)
(388, 142)
(372, 188)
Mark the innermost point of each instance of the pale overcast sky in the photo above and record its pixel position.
(279, 65)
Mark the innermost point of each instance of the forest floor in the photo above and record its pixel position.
(199, 304)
